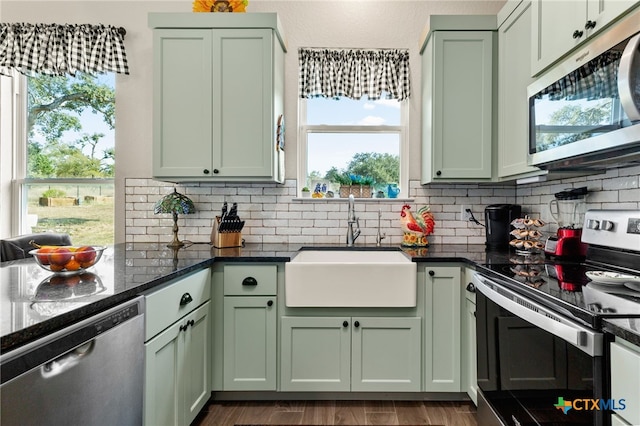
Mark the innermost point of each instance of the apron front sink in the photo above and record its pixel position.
(350, 278)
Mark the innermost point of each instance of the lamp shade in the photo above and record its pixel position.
(174, 203)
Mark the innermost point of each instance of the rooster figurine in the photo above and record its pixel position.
(416, 228)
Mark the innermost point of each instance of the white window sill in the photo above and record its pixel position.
(359, 200)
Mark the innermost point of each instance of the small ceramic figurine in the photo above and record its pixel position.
(416, 228)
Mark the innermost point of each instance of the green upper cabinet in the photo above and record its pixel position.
(458, 99)
(561, 25)
(514, 69)
(218, 96)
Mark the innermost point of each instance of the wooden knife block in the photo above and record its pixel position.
(225, 239)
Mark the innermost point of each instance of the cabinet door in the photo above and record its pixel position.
(514, 58)
(244, 144)
(602, 12)
(194, 363)
(386, 354)
(250, 343)
(470, 374)
(625, 379)
(442, 329)
(462, 104)
(183, 106)
(161, 387)
(554, 24)
(316, 354)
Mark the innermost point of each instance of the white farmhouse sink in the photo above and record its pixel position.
(350, 278)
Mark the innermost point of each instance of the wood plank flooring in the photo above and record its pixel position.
(338, 413)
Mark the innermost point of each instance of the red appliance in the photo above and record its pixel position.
(570, 207)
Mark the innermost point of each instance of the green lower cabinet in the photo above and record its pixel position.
(177, 371)
(315, 354)
(385, 354)
(442, 329)
(250, 343)
(342, 354)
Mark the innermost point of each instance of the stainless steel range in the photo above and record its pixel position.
(539, 326)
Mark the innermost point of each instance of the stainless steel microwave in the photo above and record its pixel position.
(585, 112)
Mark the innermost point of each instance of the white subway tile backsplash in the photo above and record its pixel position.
(273, 214)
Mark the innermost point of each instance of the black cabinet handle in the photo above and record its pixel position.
(249, 281)
(216, 171)
(438, 173)
(191, 322)
(356, 324)
(345, 324)
(205, 171)
(432, 273)
(471, 288)
(186, 299)
(270, 303)
(590, 25)
(577, 34)
(184, 327)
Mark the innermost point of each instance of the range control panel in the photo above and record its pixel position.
(612, 228)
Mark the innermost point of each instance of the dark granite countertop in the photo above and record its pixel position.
(625, 328)
(33, 303)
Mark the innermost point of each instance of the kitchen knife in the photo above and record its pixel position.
(233, 213)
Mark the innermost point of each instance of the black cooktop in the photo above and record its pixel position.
(565, 287)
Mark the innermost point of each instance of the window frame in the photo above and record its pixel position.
(19, 179)
(305, 129)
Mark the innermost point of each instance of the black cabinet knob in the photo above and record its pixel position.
(184, 327)
(216, 171)
(345, 324)
(590, 25)
(186, 299)
(206, 171)
(471, 288)
(249, 281)
(438, 173)
(432, 273)
(270, 303)
(191, 322)
(356, 324)
(577, 34)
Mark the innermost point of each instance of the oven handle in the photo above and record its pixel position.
(583, 338)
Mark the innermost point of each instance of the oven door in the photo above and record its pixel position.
(532, 360)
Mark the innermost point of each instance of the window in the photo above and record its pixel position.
(365, 140)
(67, 183)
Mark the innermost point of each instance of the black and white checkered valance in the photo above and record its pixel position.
(62, 49)
(353, 73)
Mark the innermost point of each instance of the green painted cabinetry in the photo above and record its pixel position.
(514, 69)
(458, 99)
(468, 339)
(561, 25)
(218, 95)
(250, 343)
(442, 327)
(350, 354)
(177, 366)
(625, 380)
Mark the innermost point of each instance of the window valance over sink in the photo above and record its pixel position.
(354, 73)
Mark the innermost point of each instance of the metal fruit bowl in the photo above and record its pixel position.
(66, 260)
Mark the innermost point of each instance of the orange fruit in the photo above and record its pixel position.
(56, 268)
(86, 264)
(72, 265)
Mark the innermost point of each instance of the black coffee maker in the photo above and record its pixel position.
(497, 219)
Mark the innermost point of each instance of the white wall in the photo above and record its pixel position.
(358, 24)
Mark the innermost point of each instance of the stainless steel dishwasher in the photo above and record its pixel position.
(90, 373)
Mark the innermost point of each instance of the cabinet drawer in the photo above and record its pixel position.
(625, 379)
(250, 280)
(165, 306)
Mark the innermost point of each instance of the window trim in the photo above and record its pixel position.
(304, 129)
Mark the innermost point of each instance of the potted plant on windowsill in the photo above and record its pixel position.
(306, 193)
(358, 186)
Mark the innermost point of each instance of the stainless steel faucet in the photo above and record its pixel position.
(379, 236)
(351, 220)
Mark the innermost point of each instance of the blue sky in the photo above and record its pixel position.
(328, 150)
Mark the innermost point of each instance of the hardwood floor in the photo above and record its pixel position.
(338, 413)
